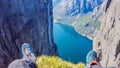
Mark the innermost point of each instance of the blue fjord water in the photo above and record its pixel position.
(71, 46)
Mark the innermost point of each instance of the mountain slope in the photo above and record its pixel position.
(107, 40)
(83, 15)
(73, 7)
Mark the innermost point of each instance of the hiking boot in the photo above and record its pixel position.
(91, 59)
(26, 49)
(28, 53)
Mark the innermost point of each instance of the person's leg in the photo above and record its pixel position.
(92, 60)
(28, 59)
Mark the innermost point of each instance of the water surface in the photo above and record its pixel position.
(71, 45)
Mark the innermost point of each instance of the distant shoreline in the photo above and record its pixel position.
(87, 36)
(84, 34)
(79, 32)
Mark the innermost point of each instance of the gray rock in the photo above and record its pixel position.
(107, 41)
(29, 21)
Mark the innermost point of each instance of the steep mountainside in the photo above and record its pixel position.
(83, 15)
(25, 21)
(73, 7)
(107, 40)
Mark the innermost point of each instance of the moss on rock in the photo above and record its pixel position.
(55, 62)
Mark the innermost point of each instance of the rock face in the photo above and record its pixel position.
(107, 41)
(25, 21)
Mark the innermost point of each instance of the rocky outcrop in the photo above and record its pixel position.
(107, 41)
(25, 21)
